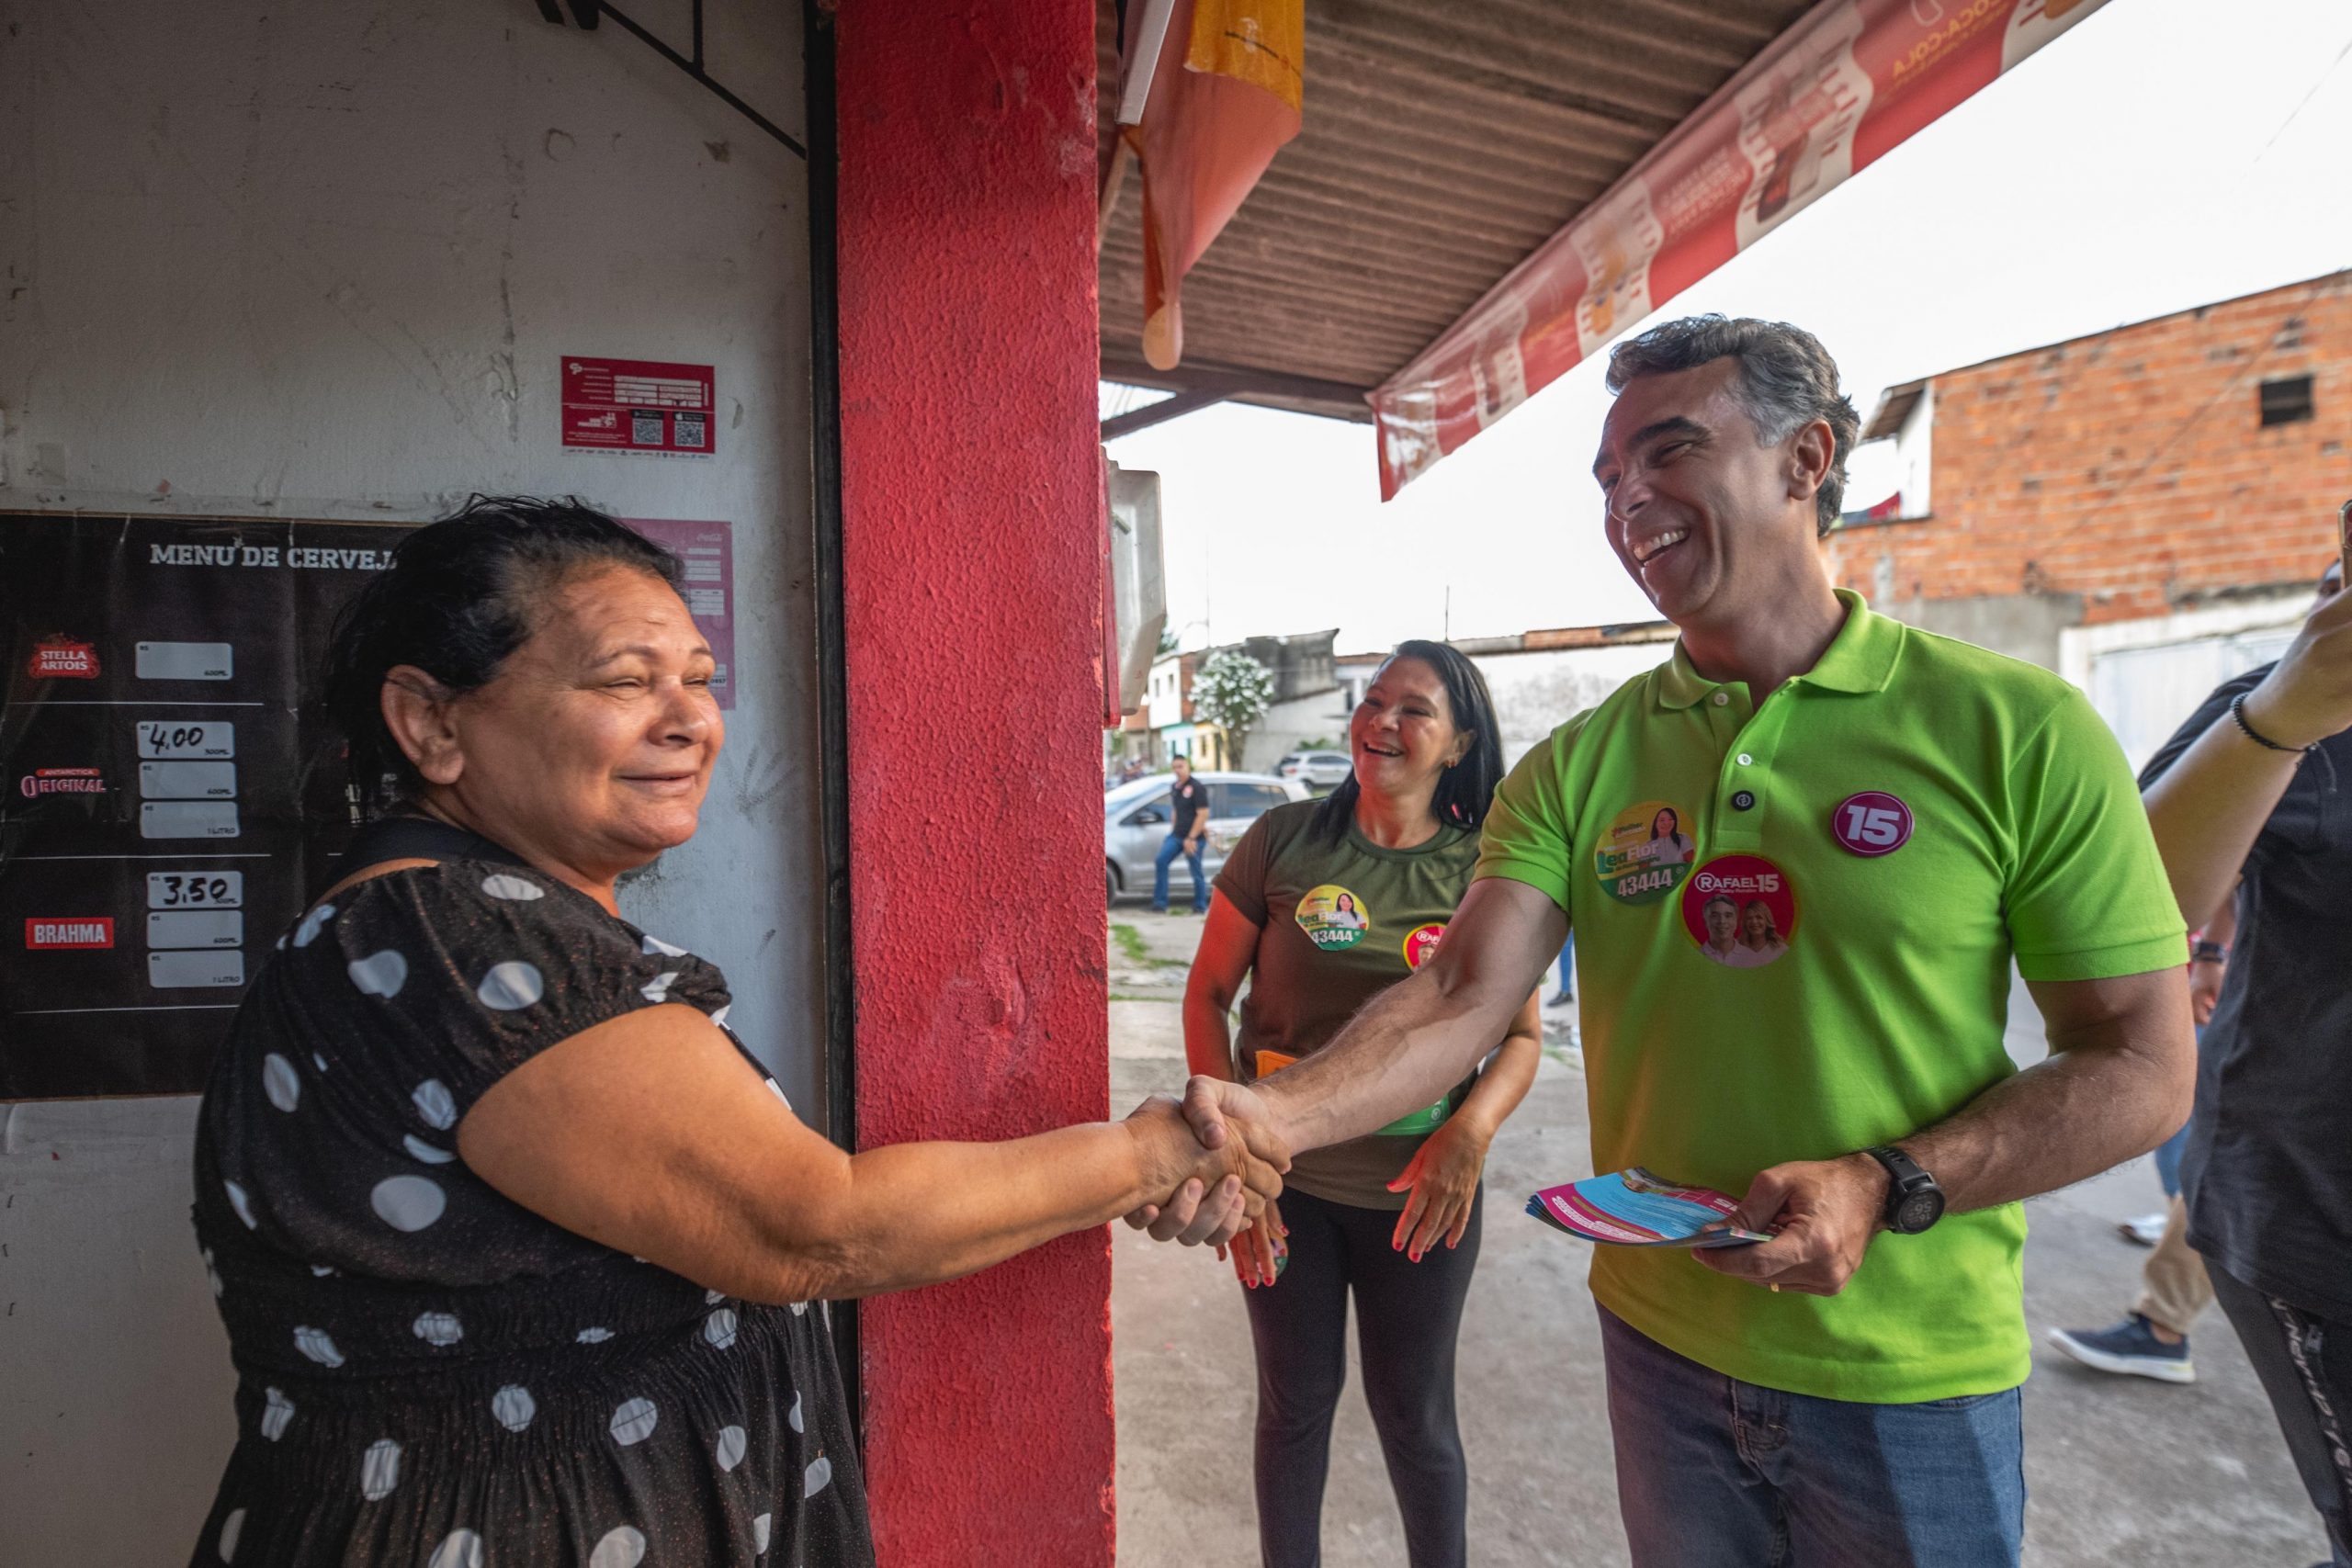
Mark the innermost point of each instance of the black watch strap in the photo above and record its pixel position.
(1913, 1201)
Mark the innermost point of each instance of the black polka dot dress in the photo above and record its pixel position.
(430, 1375)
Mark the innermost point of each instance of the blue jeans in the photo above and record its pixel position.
(1169, 847)
(1568, 966)
(1711, 1470)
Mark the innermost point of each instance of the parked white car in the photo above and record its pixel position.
(1320, 770)
(1136, 819)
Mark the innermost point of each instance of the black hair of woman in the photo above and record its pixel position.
(1464, 790)
(460, 596)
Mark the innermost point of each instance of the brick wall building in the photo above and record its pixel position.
(2181, 475)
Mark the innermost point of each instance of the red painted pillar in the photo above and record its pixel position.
(971, 561)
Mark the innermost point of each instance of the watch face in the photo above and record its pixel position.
(1918, 1212)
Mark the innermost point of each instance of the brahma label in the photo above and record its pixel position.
(52, 934)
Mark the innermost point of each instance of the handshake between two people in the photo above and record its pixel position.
(1224, 1153)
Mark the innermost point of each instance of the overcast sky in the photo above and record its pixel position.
(2153, 159)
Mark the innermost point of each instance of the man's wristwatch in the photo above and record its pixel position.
(1913, 1201)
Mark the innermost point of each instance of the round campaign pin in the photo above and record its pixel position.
(1420, 941)
(1870, 824)
(1741, 911)
(1643, 854)
(1333, 917)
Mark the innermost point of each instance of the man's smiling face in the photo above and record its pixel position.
(1700, 510)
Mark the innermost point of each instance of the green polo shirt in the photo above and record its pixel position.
(1812, 955)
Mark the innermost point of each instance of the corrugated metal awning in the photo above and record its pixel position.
(1401, 204)
(1483, 197)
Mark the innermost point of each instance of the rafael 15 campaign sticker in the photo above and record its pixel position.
(1740, 910)
(1421, 941)
(1644, 854)
(1872, 823)
(1333, 918)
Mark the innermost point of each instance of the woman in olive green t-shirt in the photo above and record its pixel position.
(1323, 905)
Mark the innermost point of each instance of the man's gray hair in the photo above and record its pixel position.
(1786, 380)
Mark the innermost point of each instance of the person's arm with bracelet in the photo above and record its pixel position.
(1443, 1177)
(650, 1132)
(2210, 805)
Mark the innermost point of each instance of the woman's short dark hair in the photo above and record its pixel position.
(1786, 379)
(1463, 790)
(460, 596)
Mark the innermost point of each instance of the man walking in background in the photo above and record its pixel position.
(1188, 827)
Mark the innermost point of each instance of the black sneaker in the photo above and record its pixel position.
(2131, 1348)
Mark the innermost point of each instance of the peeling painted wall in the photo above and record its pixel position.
(971, 552)
(321, 260)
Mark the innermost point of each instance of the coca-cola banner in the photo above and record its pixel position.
(1832, 95)
(167, 792)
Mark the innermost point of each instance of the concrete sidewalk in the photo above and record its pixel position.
(2120, 1470)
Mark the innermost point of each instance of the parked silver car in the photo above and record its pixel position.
(1136, 820)
(1317, 770)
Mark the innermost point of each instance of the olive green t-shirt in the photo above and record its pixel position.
(1822, 962)
(1338, 921)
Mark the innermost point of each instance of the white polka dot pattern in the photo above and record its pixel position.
(718, 1329)
(239, 1202)
(312, 923)
(762, 1526)
(408, 1202)
(820, 1474)
(633, 1421)
(513, 889)
(459, 1548)
(379, 1469)
(728, 1450)
(720, 1018)
(231, 1528)
(511, 987)
(280, 1082)
(380, 974)
(437, 1327)
(623, 1548)
(513, 1406)
(434, 1103)
(276, 1412)
(654, 944)
(419, 1149)
(593, 1335)
(314, 1343)
(656, 991)
(794, 1417)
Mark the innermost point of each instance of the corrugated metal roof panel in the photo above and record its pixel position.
(1440, 146)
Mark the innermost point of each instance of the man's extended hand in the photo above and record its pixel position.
(1218, 1110)
(1821, 1214)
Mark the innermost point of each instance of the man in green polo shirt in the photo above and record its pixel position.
(1799, 859)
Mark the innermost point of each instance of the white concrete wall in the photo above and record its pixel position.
(321, 260)
(1323, 715)
(1536, 692)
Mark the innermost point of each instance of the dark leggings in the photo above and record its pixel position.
(1406, 1318)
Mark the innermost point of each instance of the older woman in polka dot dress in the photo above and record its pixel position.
(513, 1240)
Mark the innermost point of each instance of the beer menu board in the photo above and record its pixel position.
(168, 792)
